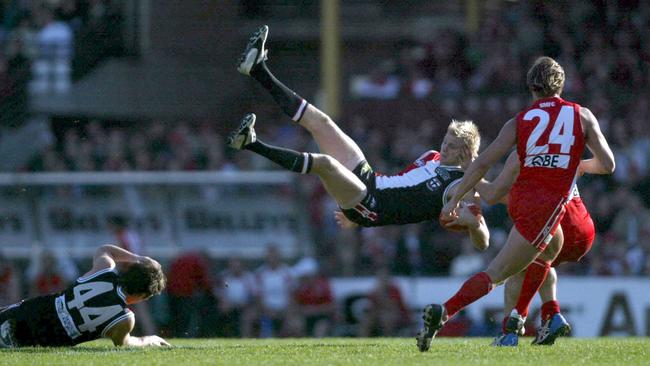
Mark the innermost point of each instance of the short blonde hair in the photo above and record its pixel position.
(546, 77)
(466, 131)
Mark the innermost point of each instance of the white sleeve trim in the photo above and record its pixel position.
(121, 293)
(117, 320)
(96, 274)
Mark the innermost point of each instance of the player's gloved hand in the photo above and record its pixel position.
(464, 217)
(154, 340)
(343, 221)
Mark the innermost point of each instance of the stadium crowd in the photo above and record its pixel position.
(477, 76)
(47, 44)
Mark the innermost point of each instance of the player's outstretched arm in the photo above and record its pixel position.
(474, 222)
(592, 166)
(120, 334)
(497, 191)
(499, 147)
(107, 255)
(119, 255)
(603, 162)
(478, 233)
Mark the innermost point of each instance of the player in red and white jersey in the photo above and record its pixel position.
(550, 137)
(579, 232)
(366, 198)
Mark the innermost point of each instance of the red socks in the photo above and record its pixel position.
(549, 309)
(480, 285)
(535, 275)
(473, 289)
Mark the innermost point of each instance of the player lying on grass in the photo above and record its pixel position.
(550, 137)
(579, 233)
(94, 306)
(366, 198)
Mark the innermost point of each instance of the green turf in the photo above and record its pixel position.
(342, 351)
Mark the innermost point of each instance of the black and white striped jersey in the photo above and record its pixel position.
(416, 194)
(85, 311)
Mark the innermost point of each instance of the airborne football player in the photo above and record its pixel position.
(365, 197)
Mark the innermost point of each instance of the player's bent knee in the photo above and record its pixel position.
(315, 118)
(322, 124)
(324, 163)
(325, 120)
(551, 252)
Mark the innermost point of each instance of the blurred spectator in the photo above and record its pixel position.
(52, 67)
(416, 82)
(22, 40)
(469, 261)
(48, 273)
(408, 256)
(387, 313)
(609, 258)
(14, 76)
(236, 296)
(632, 221)
(417, 85)
(9, 283)
(313, 299)
(379, 84)
(192, 306)
(274, 284)
(126, 237)
(378, 247)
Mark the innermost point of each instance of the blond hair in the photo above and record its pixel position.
(546, 77)
(467, 132)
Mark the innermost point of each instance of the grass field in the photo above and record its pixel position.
(342, 351)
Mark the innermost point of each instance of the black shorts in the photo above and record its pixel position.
(36, 323)
(364, 213)
(391, 200)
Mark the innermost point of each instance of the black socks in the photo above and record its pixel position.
(299, 162)
(291, 103)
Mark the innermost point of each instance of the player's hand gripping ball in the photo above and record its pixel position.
(465, 216)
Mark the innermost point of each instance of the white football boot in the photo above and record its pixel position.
(244, 134)
(255, 52)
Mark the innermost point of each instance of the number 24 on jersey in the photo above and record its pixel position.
(537, 152)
